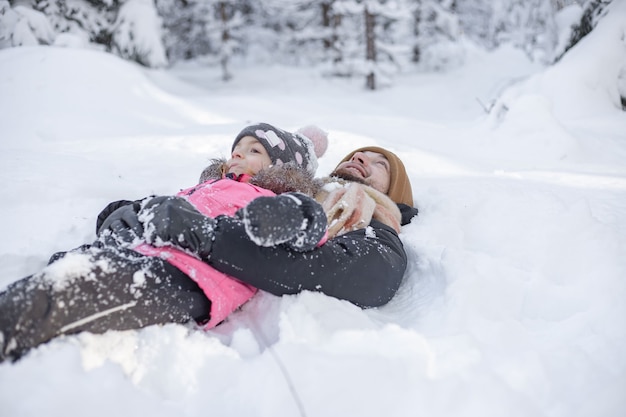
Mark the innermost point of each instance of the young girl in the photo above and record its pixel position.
(130, 278)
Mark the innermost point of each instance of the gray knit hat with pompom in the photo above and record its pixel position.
(300, 149)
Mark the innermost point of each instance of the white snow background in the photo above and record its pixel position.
(514, 302)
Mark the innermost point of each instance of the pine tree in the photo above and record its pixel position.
(91, 21)
(228, 29)
(185, 28)
(365, 41)
(136, 33)
(211, 29)
(436, 33)
(593, 11)
(299, 32)
(330, 22)
(22, 26)
(527, 24)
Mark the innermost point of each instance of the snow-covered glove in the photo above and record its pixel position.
(121, 223)
(111, 207)
(291, 219)
(174, 221)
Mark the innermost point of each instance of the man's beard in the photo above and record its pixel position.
(346, 175)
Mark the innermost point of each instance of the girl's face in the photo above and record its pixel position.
(248, 157)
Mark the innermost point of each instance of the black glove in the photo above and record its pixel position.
(174, 221)
(293, 219)
(110, 208)
(122, 223)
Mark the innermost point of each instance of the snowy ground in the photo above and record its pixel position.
(514, 301)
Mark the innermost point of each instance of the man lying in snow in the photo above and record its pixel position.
(172, 259)
(366, 198)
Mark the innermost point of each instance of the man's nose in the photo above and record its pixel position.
(360, 157)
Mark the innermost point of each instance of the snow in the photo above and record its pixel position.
(513, 302)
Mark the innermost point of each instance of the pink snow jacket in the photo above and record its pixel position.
(213, 198)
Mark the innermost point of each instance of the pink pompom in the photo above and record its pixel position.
(317, 136)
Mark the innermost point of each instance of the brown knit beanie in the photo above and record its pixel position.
(399, 184)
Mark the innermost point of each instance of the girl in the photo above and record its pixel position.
(130, 278)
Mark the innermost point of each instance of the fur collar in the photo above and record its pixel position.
(279, 179)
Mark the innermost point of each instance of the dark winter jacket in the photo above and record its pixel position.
(364, 266)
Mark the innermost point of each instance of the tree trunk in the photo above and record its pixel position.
(370, 45)
(326, 18)
(225, 59)
(417, 21)
(330, 22)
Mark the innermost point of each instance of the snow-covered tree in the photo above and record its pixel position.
(475, 18)
(296, 31)
(21, 25)
(527, 24)
(330, 22)
(137, 33)
(346, 36)
(82, 21)
(185, 28)
(369, 38)
(365, 41)
(211, 29)
(436, 34)
(593, 11)
(130, 28)
(227, 31)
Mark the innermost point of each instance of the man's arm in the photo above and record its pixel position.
(407, 213)
(365, 266)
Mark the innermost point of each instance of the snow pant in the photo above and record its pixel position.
(95, 289)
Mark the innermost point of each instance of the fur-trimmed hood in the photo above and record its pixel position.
(279, 179)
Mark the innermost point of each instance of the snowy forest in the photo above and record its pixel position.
(373, 39)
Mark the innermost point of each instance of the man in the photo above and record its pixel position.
(362, 264)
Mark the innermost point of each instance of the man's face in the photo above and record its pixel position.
(369, 168)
